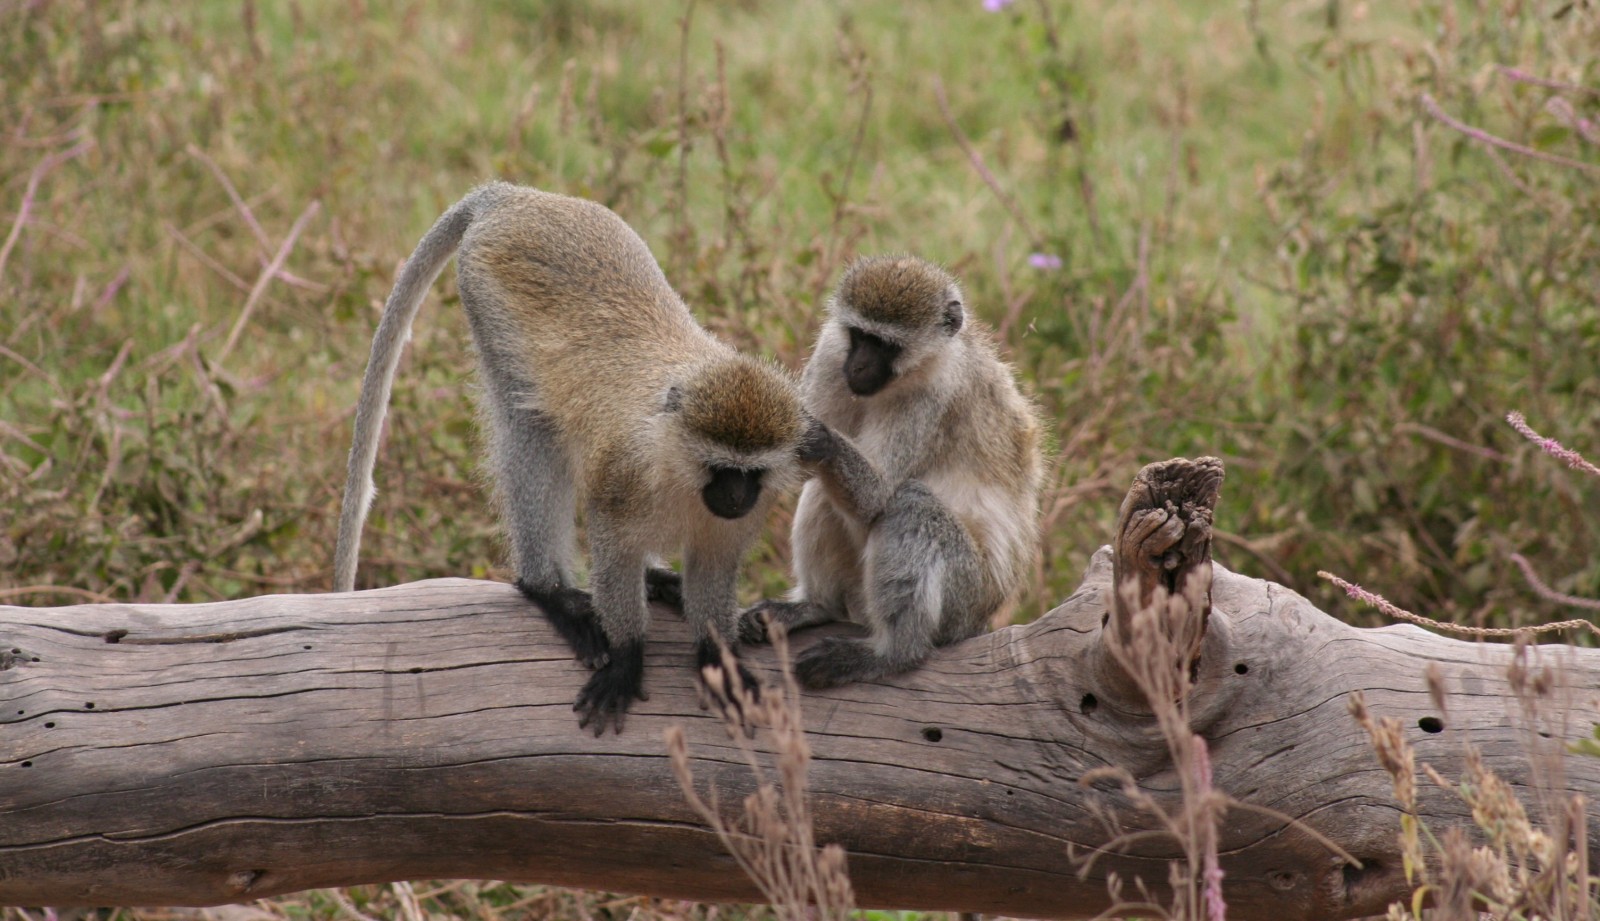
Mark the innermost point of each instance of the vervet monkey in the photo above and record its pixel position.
(923, 518)
(597, 384)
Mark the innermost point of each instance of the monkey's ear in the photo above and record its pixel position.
(672, 400)
(954, 315)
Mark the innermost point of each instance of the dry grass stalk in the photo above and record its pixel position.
(1162, 639)
(1550, 446)
(1398, 613)
(1523, 869)
(1155, 655)
(772, 838)
(1490, 140)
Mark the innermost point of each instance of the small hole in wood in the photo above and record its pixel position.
(34, 659)
(933, 734)
(417, 670)
(1354, 876)
(115, 636)
(27, 764)
(1240, 668)
(1431, 724)
(307, 646)
(16, 652)
(1088, 703)
(1105, 619)
(49, 725)
(89, 705)
(1010, 792)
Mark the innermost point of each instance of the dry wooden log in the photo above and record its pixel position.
(202, 754)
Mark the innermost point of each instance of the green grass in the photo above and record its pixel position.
(1270, 252)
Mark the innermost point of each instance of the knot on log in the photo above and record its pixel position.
(1161, 578)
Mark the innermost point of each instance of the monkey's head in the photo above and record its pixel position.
(898, 311)
(737, 432)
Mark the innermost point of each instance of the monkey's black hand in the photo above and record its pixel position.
(817, 444)
(612, 688)
(571, 612)
(754, 621)
(837, 660)
(718, 687)
(664, 586)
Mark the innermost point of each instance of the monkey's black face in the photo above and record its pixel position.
(870, 365)
(732, 492)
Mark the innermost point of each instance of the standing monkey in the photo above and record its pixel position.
(923, 517)
(597, 385)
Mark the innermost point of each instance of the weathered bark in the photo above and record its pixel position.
(200, 754)
(1161, 559)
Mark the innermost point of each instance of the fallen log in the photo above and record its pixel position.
(212, 753)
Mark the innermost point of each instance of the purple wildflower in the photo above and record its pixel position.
(995, 6)
(1044, 262)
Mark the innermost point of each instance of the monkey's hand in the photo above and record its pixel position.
(734, 693)
(837, 660)
(612, 688)
(818, 444)
(664, 586)
(571, 612)
(754, 621)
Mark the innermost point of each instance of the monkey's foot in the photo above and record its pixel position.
(756, 622)
(571, 612)
(663, 585)
(734, 693)
(612, 688)
(753, 623)
(838, 660)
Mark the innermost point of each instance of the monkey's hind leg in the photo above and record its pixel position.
(538, 502)
(920, 563)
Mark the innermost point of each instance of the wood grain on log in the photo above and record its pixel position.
(166, 754)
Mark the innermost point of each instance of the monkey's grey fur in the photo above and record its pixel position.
(923, 518)
(598, 386)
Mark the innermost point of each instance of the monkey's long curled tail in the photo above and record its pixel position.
(394, 329)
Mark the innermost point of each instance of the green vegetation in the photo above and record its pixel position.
(1270, 250)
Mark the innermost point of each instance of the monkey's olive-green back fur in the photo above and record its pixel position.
(590, 303)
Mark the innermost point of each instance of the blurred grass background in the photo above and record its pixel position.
(1231, 229)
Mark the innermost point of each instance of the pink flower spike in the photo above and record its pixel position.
(1044, 262)
(1550, 446)
(995, 6)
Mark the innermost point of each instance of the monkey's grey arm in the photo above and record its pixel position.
(859, 488)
